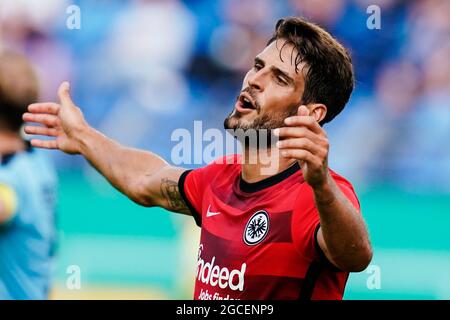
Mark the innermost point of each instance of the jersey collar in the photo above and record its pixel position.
(268, 182)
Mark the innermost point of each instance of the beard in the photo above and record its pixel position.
(262, 126)
(262, 122)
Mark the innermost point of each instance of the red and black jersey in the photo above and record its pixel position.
(259, 240)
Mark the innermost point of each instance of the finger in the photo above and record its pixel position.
(298, 132)
(45, 107)
(64, 94)
(45, 119)
(42, 131)
(299, 143)
(45, 144)
(298, 154)
(306, 121)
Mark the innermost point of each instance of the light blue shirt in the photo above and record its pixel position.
(27, 242)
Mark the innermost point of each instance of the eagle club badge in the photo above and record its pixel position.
(257, 228)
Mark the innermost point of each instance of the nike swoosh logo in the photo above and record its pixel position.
(210, 213)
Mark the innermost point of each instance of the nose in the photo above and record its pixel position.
(255, 81)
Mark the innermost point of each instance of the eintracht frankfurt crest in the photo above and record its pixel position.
(257, 228)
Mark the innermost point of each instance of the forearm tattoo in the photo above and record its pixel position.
(170, 191)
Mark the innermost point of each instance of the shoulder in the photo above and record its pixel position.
(217, 172)
(228, 160)
(345, 185)
(305, 197)
(224, 164)
(347, 188)
(340, 180)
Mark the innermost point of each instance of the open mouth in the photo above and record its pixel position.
(246, 102)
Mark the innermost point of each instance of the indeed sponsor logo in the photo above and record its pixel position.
(209, 273)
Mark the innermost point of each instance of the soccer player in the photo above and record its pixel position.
(293, 235)
(27, 191)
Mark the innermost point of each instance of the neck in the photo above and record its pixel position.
(260, 164)
(11, 142)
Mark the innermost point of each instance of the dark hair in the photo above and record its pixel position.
(329, 77)
(18, 88)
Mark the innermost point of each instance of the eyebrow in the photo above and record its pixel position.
(276, 71)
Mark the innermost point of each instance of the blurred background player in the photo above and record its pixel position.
(27, 191)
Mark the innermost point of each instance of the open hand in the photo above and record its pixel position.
(64, 122)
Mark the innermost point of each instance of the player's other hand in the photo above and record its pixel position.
(63, 122)
(306, 141)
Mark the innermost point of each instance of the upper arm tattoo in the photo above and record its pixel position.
(171, 192)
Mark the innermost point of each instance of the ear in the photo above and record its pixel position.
(318, 111)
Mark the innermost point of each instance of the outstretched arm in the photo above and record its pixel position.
(142, 176)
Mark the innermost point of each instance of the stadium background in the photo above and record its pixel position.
(140, 69)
